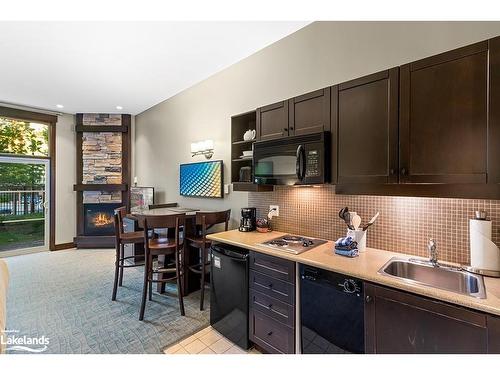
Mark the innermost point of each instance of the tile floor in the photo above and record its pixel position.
(207, 341)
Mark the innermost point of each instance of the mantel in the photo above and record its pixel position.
(101, 128)
(100, 187)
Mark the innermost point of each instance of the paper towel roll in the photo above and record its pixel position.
(484, 254)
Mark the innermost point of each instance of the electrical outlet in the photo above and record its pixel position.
(276, 209)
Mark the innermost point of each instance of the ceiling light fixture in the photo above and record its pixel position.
(59, 106)
(119, 107)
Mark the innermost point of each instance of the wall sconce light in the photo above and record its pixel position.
(203, 148)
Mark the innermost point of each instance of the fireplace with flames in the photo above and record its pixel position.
(98, 219)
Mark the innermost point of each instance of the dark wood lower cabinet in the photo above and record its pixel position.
(493, 335)
(398, 322)
(272, 303)
(270, 335)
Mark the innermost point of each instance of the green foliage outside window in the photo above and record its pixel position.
(18, 137)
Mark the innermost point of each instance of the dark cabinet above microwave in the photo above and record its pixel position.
(309, 113)
(304, 114)
(272, 121)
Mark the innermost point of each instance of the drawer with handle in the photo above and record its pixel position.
(272, 266)
(275, 309)
(272, 287)
(271, 335)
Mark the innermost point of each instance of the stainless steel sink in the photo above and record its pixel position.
(453, 279)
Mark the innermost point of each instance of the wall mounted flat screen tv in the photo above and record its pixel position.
(204, 179)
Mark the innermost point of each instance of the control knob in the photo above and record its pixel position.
(350, 286)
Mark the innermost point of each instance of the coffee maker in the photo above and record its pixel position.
(248, 219)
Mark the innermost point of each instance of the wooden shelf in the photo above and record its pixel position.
(101, 128)
(249, 186)
(243, 142)
(100, 187)
(242, 159)
(240, 124)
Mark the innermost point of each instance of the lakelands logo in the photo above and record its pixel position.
(23, 343)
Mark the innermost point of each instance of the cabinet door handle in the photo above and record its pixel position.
(267, 307)
(285, 129)
(269, 286)
(392, 171)
(404, 172)
(368, 299)
(291, 127)
(270, 333)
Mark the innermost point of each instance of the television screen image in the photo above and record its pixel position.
(202, 179)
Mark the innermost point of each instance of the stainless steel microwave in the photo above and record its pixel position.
(298, 160)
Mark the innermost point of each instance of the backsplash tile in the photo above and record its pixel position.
(405, 224)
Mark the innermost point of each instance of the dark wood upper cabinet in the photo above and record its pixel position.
(272, 121)
(310, 113)
(494, 113)
(443, 117)
(401, 323)
(368, 129)
(427, 128)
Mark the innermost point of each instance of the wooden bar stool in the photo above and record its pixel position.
(121, 239)
(163, 205)
(205, 220)
(154, 247)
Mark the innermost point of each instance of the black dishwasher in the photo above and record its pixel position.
(229, 293)
(332, 312)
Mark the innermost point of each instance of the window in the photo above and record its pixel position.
(20, 137)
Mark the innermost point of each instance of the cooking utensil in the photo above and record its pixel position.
(342, 212)
(355, 220)
(344, 215)
(372, 220)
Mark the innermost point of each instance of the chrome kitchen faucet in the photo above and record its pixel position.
(432, 247)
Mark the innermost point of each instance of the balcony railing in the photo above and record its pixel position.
(21, 204)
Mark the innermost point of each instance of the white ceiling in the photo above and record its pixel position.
(96, 66)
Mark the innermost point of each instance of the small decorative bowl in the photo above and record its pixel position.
(263, 230)
(263, 226)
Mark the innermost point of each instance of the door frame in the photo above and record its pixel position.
(51, 121)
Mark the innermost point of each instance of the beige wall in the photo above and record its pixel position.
(65, 179)
(321, 54)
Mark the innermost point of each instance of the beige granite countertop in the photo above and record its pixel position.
(365, 267)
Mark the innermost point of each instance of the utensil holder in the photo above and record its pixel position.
(360, 237)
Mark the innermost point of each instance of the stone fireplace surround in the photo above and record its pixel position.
(103, 174)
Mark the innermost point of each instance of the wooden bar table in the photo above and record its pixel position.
(190, 282)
